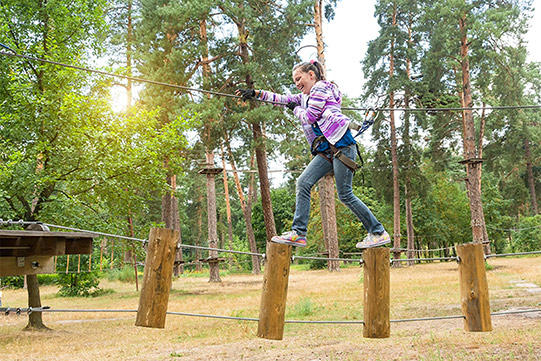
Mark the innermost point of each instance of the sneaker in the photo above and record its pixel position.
(374, 240)
(290, 238)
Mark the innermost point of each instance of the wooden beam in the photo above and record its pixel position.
(18, 266)
(157, 278)
(377, 304)
(78, 246)
(474, 287)
(44, 243)
(274, 296)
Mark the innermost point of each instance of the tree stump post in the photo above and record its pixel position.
(274, 295)
(157, 278)
(474, 288)
(377, 305)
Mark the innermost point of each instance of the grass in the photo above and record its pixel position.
(425, 290)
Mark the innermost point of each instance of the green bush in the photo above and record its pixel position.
(79, 285)
(125, 274)
(47, 279)
(528, 239)
(12, 281)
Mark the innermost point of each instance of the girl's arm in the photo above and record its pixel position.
(278, 99)
(316, 104)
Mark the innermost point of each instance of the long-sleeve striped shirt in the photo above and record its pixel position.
(321, 106)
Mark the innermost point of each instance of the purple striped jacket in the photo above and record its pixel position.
(321, 106)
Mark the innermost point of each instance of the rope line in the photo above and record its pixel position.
(424, 259)
(512, 254)
(328, 259)
(189, 89)
(180, 245)
(29, 310)
(97, 233)
(513, 229)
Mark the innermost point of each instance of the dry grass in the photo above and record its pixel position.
(419, 291)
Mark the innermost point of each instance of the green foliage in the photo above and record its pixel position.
(125, 274)
(528, 237)
(305, 307)
(12, 281)
(18, 281)
(67, 158)
(79, 285)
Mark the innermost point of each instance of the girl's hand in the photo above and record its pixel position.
(246, 94)
(292, 105)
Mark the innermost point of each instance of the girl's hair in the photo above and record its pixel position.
(313, 65)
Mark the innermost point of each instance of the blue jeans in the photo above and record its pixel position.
(318, 168)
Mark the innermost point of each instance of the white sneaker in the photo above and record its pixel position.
(374, 240)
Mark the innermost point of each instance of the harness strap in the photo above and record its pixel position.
(337, 153)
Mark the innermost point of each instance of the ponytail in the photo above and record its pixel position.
(314, 66)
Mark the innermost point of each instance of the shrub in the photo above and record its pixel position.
(125, 274)
(79, 285)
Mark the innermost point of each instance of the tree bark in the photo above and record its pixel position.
(35, 319)
(530, 177)
(473, 164)
(228, 209)
(410, 232)
(246, 207)
(394, 157)
(212, 221)
(326, 184)
(259, 140)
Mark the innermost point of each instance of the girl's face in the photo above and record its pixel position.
(304, 81)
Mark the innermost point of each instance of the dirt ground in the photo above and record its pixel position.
(420, 291)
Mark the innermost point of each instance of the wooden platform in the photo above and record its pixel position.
(32, 252)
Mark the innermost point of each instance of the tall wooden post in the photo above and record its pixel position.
(474, 287)
(157, 278)
(377, 305)
(274, 295)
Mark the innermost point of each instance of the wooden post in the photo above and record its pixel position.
(157, 278)
(474, 287)
(112, 252)
(377, 305)
(274, 295)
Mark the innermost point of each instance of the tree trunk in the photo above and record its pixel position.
(259, 140)
(531, 179)
(199, 232)
(178, 267)
(212, 222)
(264, 184)
(228, 209)
(410, 232)
(211, 185)
(409, 221)
(394, 156)
(473, 164)
(326, 184)
(246, 206)
(35, 320)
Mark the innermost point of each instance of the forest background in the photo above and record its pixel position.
(74, 153)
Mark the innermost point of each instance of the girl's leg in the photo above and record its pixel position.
(317, 168)
(344, 177)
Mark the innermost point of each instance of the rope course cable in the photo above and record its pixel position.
(189, 89)
(181, 245)
(18, 311)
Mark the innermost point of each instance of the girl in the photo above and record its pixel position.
(326, 130)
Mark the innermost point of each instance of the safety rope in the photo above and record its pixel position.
(189, 89)
(180, 245)
(18, 311)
